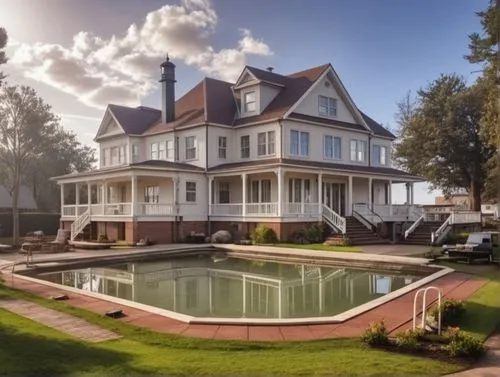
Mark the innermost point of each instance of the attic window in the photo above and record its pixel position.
(327, 106)
(249, 102)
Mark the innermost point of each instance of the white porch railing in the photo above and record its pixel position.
(227, 209)
(118, 209)
(457, 217)
(414, 226)
(301, 208)
(155, 209)
(96, 209)
(441, 232)
(332, 218)
(261, 209)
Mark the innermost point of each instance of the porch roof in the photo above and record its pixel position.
(343, 168)
(149, 165)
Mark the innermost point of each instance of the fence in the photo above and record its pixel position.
(48, 223)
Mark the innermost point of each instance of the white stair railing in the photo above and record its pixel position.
(79, 224)
(414, 226)
(332, 218)
(424, 291)
(441, 232)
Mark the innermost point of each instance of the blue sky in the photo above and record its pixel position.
(380, 49)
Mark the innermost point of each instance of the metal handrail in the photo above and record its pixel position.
(358, 216)
(414, 226)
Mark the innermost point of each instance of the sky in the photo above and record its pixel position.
(82, 55)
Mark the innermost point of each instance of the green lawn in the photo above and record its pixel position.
(320, 246)
(27, 348)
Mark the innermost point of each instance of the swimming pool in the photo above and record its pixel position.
(220, 286)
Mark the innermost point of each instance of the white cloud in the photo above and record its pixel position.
(123, 69)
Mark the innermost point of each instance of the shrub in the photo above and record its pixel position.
(264, 234)
(451, 311)
(409, 340)
(376, 334)
(102, 238)
(464, 345)
(310, 234)
(195, 238)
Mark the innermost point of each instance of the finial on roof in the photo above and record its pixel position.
(167, 58)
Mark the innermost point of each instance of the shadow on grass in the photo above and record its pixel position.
(480, 319)
(23, 353)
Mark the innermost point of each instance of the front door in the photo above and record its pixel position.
(334, 196)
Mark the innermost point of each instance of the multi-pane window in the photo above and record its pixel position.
(170, 150)
(250, 104)
(358, 150)
(176, 147)
(154, 151)
(296, 187)
(266, 143)
(135, 151)
(151, 194)
(224, 192)
(327, 106)
(103, 157)
(379, 155)
(332, 145)
(114, 156)
(222, 143)
(190, 147)
(260, 191)
(245, 146)
(122, 155)
(161, 151)
(191, 192)
(299, 143)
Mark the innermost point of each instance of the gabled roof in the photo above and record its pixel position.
(25, 201)
(215, 101)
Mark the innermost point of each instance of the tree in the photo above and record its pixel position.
(3, 44)
(440, 136)
(484, 50)
(31, 139)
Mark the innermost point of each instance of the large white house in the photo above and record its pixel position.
(283, 150)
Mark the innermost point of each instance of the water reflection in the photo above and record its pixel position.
(235, 288)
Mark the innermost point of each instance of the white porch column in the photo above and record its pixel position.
(133, 195)
(412, 193)
(210, 194)
(349, 196)
(302, 195)
(62, 198)
(320, 191)
(370, 189)
(279, 176)
(77, 195)
(389, 196)
(104, 191)
(407, 193)
(89, 196)
(244, 194)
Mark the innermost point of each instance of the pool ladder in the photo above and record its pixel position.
(424, 291)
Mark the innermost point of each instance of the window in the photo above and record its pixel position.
(295, 188)
(331, 148)
(177, 154)
(327, 106)
(358, 150)
(379, 155)
(249, 104)
(161, 151)
(245, 146)
(170, 150)
(122, 155)
(103, 157)
(190, 147)
(222, 147)
(191, 192)
(154, 151)
(260, 191)
(114, 156)
(151, 194)
(135, 151)
(299, 143)
(265, 143)
(223, 192)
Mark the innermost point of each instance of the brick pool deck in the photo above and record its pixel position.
(397, 314)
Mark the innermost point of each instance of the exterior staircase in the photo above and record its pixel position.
(422, 234)
(80, 224)
(359, 234)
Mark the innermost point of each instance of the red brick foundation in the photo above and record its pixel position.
(283, 230)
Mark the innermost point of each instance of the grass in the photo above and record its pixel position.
(28, 348)
(320, 246)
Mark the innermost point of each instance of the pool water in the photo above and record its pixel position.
(219, 286)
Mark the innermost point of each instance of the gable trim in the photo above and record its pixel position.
(103, 124)
(343, 91)
(242, 75)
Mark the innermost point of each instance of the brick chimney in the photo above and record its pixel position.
(167, 91)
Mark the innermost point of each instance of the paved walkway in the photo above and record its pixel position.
(59, 321)
(489, 365)
(397, 314)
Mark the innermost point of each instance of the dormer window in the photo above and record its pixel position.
(327, 106)
(249, 104)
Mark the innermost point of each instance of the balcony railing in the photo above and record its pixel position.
(262, 209)
(227, 209)
(155, 209)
